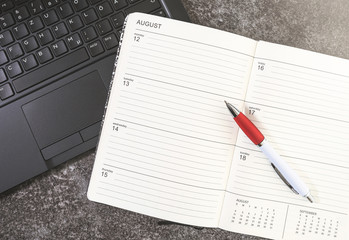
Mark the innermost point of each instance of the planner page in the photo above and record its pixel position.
(167, 140)
(300, 101)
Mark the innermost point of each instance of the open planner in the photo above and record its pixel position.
(169, 147)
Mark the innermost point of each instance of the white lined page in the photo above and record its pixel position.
(167, 140)
(299, 100)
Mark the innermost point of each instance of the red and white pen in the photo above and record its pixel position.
(287, 174)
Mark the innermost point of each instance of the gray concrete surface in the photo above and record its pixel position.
(54, 204)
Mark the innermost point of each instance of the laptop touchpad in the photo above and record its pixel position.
(66, 110)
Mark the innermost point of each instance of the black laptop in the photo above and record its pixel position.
(56, 61)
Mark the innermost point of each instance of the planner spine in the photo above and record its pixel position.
(112, 78)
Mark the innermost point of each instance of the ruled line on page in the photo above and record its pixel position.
(200, 106)
(171, 132)
(157, 104)
(191, 59)
(193, 41)
(178, 158)
(281, 124)
(184, 141)
(137, 68)
(165, 167)
(283, 116)
(197, 166)
(175, 115)
(157, 202)
(166, 143)
(146, 190)
(169, 192)
(191, 155)
(211, 57)
(151, 207)
(159, 123)
(190, 99)
(279, 85)
(327, 76)
(303, 172)
(211, 51)
(313, 79)
(171, 69)
(170, 149)
(260, 159)
(182, 128)
(143, 169)
(267, 188)
(231, 69)
(287, 153)
(184, 87)
(145, 87)
(304, 97)
(207, 196)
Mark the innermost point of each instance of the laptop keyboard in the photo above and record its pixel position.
(42, 38)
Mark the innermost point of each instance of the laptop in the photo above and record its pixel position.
(56, 62)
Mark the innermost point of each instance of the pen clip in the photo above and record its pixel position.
(284, 179)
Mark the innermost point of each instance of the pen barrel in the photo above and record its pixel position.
(285, 170)
(249, 129)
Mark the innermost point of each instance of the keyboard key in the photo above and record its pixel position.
(88, 34)
(15, 51)
(118, 20)
(59, 48)
(7, 20)
(65, 10)
(144, 7)
(104, 9)
(110, 41)
(6, 38)
(36, 7)
(60, 30)
(74, 41)
(3, 57)
(133, 1)
(13, 69)
(104, 27)
(50, 3)
(35, 24)
(21, 13)
(50, 17)
(3, 77)
(45, 37)
(29, 62)
(95, 48)
(44, 55)
(160, 13)
(80, 4)
(75, 23)
(19, 2)
(7, 5)
(20, 31)
(5, 91)
(30, 44)
(89, 16)
(94, 1)
(51, 69)
(118, 4)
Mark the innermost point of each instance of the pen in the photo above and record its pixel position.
(287, 174)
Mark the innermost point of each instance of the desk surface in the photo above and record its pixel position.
(54, 204)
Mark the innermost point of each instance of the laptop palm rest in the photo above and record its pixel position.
(57, 117)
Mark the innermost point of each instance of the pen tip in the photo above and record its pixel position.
(310, 198)
(232, 109)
